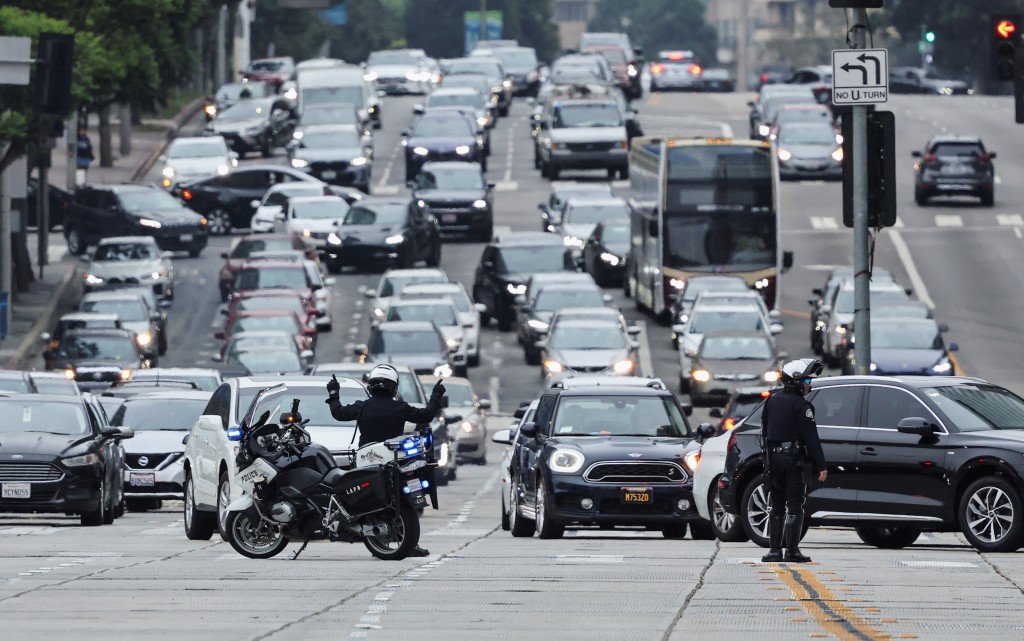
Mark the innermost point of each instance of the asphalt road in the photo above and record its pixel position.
(141, 579)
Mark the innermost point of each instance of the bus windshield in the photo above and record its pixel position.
(721, 242)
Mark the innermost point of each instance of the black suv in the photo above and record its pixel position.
(505, 266)
(457, 195)
(604, 454)
(954, 166)
(105, 211)
(904, 455)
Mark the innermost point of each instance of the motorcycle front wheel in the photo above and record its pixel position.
(402, 538)
(253, 537)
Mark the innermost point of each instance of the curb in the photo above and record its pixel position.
(179, 120)
(58, 302)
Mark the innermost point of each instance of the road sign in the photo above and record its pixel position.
(15, 60)
(860, 76)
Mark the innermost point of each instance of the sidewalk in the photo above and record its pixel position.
(58, 291)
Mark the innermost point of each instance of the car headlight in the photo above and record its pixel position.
(683, 318)
(623, 367)
(840, 330)
(942, 366)
(691, 459)
(143, 339)
(70, 374)
(81, 461)
(92, 279)
(298, 135)
(370, 76)
(168, 172)
(420, 151)
(148, 222)
(837, 155)
(480, 204)
(515, 289)
(552, 367)
(378, 312)
(700, 375)
(611, 259)
(771, 377)
(873, 367)
(211, 110)
(466, 427)
(507, 84)
(462, 150)
(632, 70)
(222, 170)
(540, 325)
(482, 121)
(358, 161)
(763, 130)
(452, 343)
(158, 275)
(306, 233)
(565, 461)
(394, 240)
(572, 241)
(443, 370)
(291, 94)
(784, 155)
(126, 375)
(333, 239)
(299, 163)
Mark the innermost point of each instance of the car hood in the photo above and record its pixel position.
(626, 448)
(589, 134)
(38, 444)
(892, 360)
(580, 358)
(234, 125)
(822, 152)
(447, 143)
(296, 225)
(579, 230)
(731, 369)
(432, 196)
(336, 153)
(137, 326)
(196, 166)
(111, 268)
(619, 249)
(156, 442)
(415, 361)
(392, 71)
(367, 234)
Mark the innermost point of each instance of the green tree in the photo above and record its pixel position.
(370, 25)
(659, 24)
(299, 33)
(436, 26)
(961, 27)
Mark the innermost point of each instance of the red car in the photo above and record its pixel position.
(626, 68)
(271, 299)
(247, 245)
(273, 71)
(269, 320)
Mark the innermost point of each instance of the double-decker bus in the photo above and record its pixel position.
(702, 206)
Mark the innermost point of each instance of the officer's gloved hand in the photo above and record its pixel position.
(333, 387)
(439, 390)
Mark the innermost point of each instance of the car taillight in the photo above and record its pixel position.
(732, 441)
(984, 159)
(186, 194)
(930, 158)
(695, 69)
(764, 77)
(657, 68)
(729, 423)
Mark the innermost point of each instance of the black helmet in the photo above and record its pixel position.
(383, 381)
(794, 373)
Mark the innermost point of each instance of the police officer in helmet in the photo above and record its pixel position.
(382, 416)
(790, 438)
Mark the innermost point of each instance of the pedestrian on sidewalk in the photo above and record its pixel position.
(83, 156)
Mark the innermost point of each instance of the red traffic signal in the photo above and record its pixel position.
(1005, 28)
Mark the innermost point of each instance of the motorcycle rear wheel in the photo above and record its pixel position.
(404, 537)
(253, 537)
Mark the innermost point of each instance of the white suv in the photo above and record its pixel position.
(210, 455)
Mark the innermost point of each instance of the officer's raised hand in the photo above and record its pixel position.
(439, 389)
(333, 387)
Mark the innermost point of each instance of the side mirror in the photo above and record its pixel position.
(679, 329)
(216, 358)
(687, 408)
(817, 291)
(224, 255)
(634, 345)
(915, 154)
(542, 125)
(405, 134)
(306, 354)
(163, 304)
(484, 403)
(787, 260)
(775, 316)
(952, 347)
(255, 204)
(607, 298)
(705, 431)
(991, 154)
(155, 316)
(184, 440)
(330, 281)
(479, 307)
(491, 186)
(418, 110)
(233, 155)
(45, 337)
(519, 413)
(539, 345)
(118, 432)
(504, 437)
(370, 293)
(715, 412)
(163, 157)
(916, 425)
(633, 330)
(528, 429)
(210, 423)
(359, 350)
(943, 327)
(219, 335)
(225, 312)
(783, 356)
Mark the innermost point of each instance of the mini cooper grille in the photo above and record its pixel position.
(635, 472)
(29, 472)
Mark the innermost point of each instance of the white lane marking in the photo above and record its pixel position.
(948, 220)
(824, 222)
(646, 364)
(385, 190)
(620, 184)
(510, 185)
(500, 230)
(997, 180)
(899, 222)
(588, 558)
(939, 564)
(908, 264)
(492, 393)
(467, 508)
(1011, 220)
(387, 169)
(1017, 233)
(821, 268)
(508, 157)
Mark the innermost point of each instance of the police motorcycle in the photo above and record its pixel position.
(294, 489)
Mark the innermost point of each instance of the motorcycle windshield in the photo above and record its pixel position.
(267, 394)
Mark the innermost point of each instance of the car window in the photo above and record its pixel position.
(887, 406)
(543, 415)
(247, 180)
(106, 200)
(958, 149)
(219, 404)
(836, 406)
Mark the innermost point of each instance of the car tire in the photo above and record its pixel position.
(727, 527)
(223, 500)
(99, 515)
(992, 515)
(199, 524)
(218, 222)
(332, 267)
(536, 158)
(753, 514)
(624, 173)
(920, 198)
(532, 356)
(988, 200)
(194, 253)
(547, 526)
(504, 323)
(462, 371)
(486, 233)
(473, 360)
(554, 172)
(611, 174)
(483, 164)
(519, 526)
(110, 512)
(441, 478)
(505, 524)
(889, 538)
(76, 244)
(545, 170)
(677, 531)
(702, 531)
(434, 259)
(265, 149)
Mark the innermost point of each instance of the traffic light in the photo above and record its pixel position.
(929, 36)
(1005, 38)
(53, 73)
(881, 178)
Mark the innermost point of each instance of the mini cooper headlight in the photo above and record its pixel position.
(690, 460)
(565, 461)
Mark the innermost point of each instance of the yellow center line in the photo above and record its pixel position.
(828, 610)
(959, 371)
(796, 313)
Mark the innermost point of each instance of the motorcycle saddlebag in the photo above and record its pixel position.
(362, 490)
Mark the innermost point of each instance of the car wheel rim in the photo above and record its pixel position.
(990, 514)
(255, 535)
(723, 520)
(513, 506)
(223, 496)
(218, 222)
(73, 241)
(190, 504)
(757, 511)
(540, 507)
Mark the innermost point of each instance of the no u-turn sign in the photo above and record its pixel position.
(860, 76)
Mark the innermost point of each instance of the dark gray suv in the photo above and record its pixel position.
(954, 166)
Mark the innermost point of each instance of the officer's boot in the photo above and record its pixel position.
(794, 529)
(775, 530)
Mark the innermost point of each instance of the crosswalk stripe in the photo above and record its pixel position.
(385, 190)
(949, 220)
(899, 222)
(824, 222)
(1010, 220)
(509, 185)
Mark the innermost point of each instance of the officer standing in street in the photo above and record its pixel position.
(790, 438)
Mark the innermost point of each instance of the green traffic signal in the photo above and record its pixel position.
(930, 36)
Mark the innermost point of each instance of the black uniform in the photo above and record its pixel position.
(381, 418)
(792, 445)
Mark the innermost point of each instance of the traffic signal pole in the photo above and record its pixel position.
(861, 237)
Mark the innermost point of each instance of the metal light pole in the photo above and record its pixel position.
(861, 265)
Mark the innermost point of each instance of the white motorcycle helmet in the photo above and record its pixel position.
(383, 381)
(794, 373)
